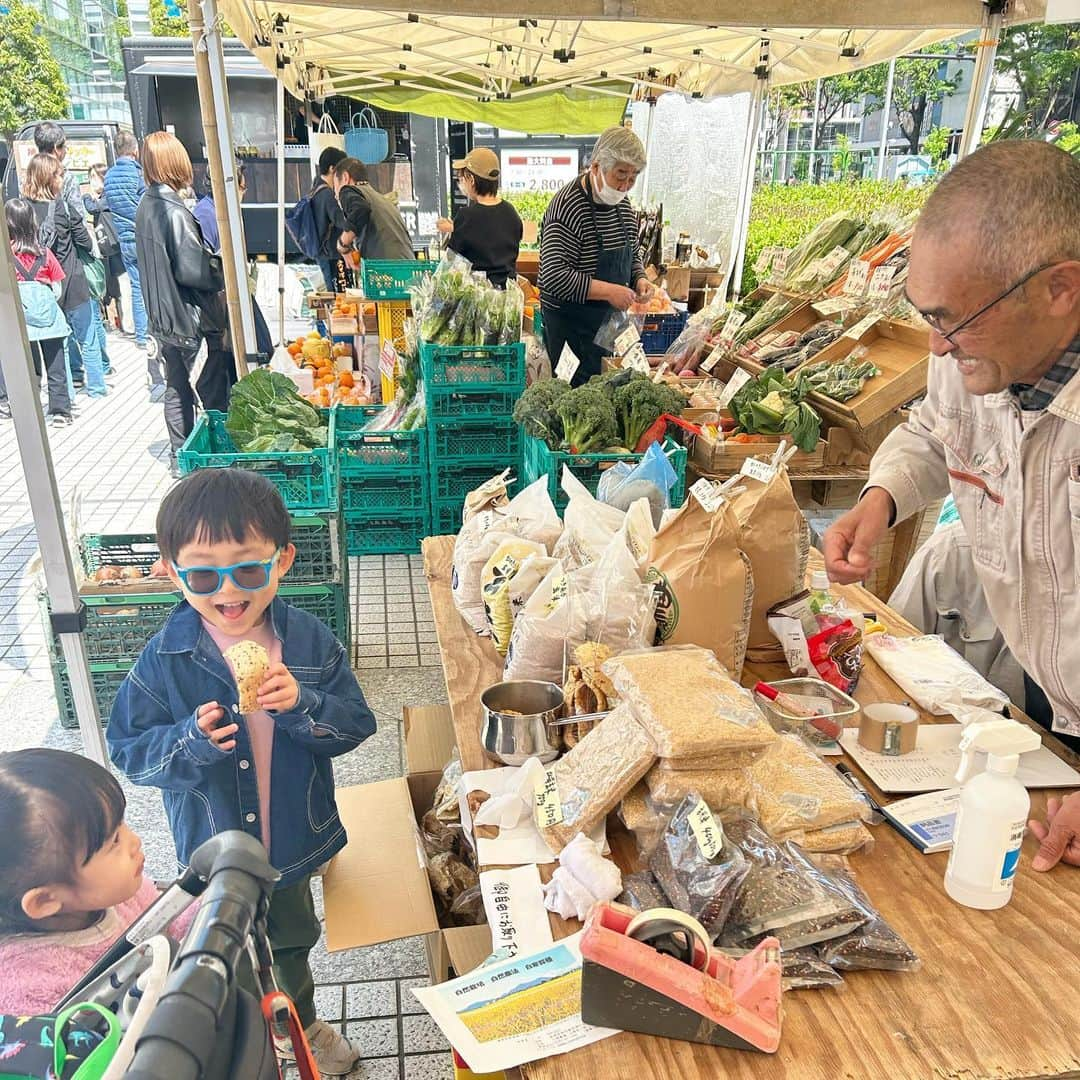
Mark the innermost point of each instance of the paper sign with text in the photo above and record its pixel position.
(731, 327)
(548, 805)
(863, 325)
(857, 276)
(765, 257)
(881, 283)
(514, 905)
(388, 360)
(713, 359)
(757, 470)
(707, 494)
(707, 830)
(737, 381)
(567, 365)
(626, 340)
(636, 360)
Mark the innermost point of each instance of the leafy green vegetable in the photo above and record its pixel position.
(640, 403)
(588, 420)
(267, 414)
(773, 405)
(535, 411)
(841, 381)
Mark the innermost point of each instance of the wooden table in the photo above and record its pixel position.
(997, 992)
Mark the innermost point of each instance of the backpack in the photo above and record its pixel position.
(300, 221)
(39, 305)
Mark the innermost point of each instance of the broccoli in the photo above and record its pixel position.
(638, 405)
(535, 411)
(588, 420)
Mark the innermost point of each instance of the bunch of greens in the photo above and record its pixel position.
(455, 306)
(773, 405)
(267, 413)
(840, 381)
(610, 412)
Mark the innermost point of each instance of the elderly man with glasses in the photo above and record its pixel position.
(995, 271)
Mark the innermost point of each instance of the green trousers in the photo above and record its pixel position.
(293, 929)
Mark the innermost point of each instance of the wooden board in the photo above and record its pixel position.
(992, 998)
(901, 352)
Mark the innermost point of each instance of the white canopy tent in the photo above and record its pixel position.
(480, 52)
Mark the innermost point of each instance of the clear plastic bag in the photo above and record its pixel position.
(843, 839)
(588, 525)
(651, 479)
(688, 702)
(703, 887)
(642, 892)
(873, 946)
(783, 895)
(731, 759)
(721, 789)
(621, 608)
(801, 969)
(597, 773)
(645, 818)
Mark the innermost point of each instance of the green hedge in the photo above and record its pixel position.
(782, 216)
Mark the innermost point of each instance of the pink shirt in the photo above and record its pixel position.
(39, 969)
(260, 725)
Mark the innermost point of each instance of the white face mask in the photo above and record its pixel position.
(609, 196)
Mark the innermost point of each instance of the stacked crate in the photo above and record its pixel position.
(121, 619)
(384, 488)
(470, 393)
(387, 282)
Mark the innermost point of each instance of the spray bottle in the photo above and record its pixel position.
(991, 816)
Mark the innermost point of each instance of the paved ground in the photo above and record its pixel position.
(113, 462)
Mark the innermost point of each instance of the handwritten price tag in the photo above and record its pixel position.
(834, 260)
(857, 277)
(831, 307)
(779, 264)
(863, 325)
(707, 830)
(713, 359)
(707, 494)
(757, 470)
(765, 257)
(567, 365)
(731, 327)
(627, 340)
(388, 360)
(546, 801)
(635, 358)
(881, 282)
(734, 385)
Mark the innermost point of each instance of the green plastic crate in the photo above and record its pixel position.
(307, 479)
(448, 402)
(588, 468)
(106, 679)
(476, 367)
(118, 627)
(390, 279)
(493, 441)
(384, 534)
(362, 453)
(446, 517)
(320, 550)
(385, 494)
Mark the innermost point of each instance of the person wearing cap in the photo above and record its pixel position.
(487, 232)
(373, 223)
(590, 259)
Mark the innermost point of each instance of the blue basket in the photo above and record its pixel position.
(365, 140)
(659, 332)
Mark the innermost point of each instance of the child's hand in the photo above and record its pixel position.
(279, 692)
(210, 714)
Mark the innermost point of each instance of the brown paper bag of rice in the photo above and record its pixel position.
(704, 581)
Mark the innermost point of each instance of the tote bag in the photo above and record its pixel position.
(325, 136)
(366, 141)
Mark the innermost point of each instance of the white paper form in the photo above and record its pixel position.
(932, 765)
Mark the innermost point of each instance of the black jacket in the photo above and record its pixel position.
(181, 278)
(65, 235)
(328, 219)
(380, 232)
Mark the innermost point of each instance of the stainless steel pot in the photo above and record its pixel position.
(516, 719)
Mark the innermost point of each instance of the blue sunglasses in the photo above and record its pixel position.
(207, 580)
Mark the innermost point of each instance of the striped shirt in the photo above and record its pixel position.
(570, 244)
(1041, 395)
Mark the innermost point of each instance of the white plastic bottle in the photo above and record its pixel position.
(991, 816)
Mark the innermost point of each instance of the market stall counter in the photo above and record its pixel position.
(983, 1003)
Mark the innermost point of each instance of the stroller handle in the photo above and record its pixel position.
(180, 1037)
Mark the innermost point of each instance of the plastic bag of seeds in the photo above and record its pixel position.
(592, 778)
(644, 817)
(642, 892)
(783, 895)
(731, 759)
(720, 789)
(843, 839)
(698, 866)
(688, 702)
(801, 969)
(873, 946)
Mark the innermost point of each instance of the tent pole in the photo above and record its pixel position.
(886, 117)
(746, 187)
(214, 105)
(67, 608)
(648, 151)
(982, 79)
(814, 128)
(281, 206)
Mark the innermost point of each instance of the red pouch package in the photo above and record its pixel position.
(836, 654)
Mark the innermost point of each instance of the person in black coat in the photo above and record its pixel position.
(182, 283)
(329, 221)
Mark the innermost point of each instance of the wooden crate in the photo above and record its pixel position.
(799, 320)
(901, 352)
(727, 457)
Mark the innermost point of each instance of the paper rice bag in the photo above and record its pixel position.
(249, 662)
(704, 582)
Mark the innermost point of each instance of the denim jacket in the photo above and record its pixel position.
(153, 737)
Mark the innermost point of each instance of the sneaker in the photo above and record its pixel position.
(5, 410)
(78, 380)
(174, 467)
(59, 419)
(157, 393)
(333, 1053)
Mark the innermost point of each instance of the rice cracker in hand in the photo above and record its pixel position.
(250, 662)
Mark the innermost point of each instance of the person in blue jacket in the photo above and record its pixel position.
(124, 187)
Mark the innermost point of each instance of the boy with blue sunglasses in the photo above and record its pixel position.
(177, 725)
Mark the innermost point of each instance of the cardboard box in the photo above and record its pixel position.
(429, 737)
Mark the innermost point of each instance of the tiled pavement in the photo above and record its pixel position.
(113, 460)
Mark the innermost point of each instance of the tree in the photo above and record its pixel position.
(163, 23)
(919, 85)
(32, 87)
(1044, 61)
(836, 92)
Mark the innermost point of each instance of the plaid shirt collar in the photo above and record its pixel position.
(1039, 397)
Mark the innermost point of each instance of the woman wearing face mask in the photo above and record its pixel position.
(487, 231)
(589, 256)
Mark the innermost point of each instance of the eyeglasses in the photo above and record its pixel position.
(935, 324)
(207, 580)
